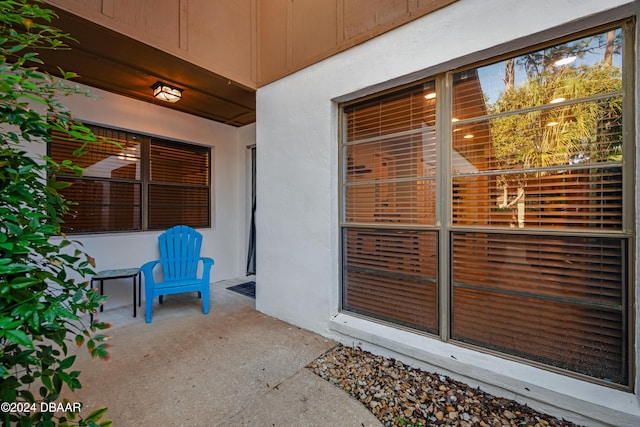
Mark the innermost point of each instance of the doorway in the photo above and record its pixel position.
(251, 247)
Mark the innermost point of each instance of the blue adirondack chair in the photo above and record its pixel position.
(179, 260)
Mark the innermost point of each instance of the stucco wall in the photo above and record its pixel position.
(298, 243)
(225, 240)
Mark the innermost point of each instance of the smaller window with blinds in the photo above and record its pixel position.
(134, 182)
(178, 185)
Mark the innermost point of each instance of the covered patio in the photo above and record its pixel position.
(240, 366)
(234, 366)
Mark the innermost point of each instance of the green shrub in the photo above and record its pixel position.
(41, 298)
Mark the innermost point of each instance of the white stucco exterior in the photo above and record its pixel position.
(298, 242)
(225, 241)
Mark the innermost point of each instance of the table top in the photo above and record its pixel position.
(116, 274)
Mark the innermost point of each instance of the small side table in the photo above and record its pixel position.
(124, 273)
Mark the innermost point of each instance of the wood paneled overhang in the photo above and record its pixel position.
(108, 60)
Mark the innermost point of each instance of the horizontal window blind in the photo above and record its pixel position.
(537, 144)
(399, 112)
(102, 205)
(108, 197)
(557, 300)
(115, 157)
(404, 156)
(128, 177)
(579, 134)
(179, 163)
(522, 179)
(574, 198)
(587, 66)
(389, 178)
(179, 185)
(173, 205)
(392, 275)
(410, 202)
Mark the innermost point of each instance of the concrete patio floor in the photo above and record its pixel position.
(232, 367)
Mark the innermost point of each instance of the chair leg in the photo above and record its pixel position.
(148, 308)
(205, 299)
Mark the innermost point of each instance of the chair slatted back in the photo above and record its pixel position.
(180, 252)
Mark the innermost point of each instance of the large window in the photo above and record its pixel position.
(142, 183)
(493, 205)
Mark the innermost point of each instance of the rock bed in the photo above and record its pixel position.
(403, 396)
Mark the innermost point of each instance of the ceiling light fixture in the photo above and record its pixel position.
(164, 92)
(431, 95)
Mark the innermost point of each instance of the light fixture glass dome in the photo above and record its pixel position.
(164, 92)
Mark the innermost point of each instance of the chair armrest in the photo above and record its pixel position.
(147, 270)
(207, 263)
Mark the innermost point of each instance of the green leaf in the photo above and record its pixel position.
(18, 337)
(25, 169)
(68, 362)
(17, 48)
(35, 98)
(67, 75)
(23, 282)
(13, 229)
(64, 243)
(95, 416)
(9, 323)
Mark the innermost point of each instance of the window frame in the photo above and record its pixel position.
(144, 181)
(444, 197)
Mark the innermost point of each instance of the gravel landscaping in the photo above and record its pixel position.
(403, 396)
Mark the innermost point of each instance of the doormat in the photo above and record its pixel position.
(247, 289)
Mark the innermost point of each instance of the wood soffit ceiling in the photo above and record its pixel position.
(108, 60)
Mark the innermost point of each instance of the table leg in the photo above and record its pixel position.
(101, 293)
(91, 312)
(135, 276)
